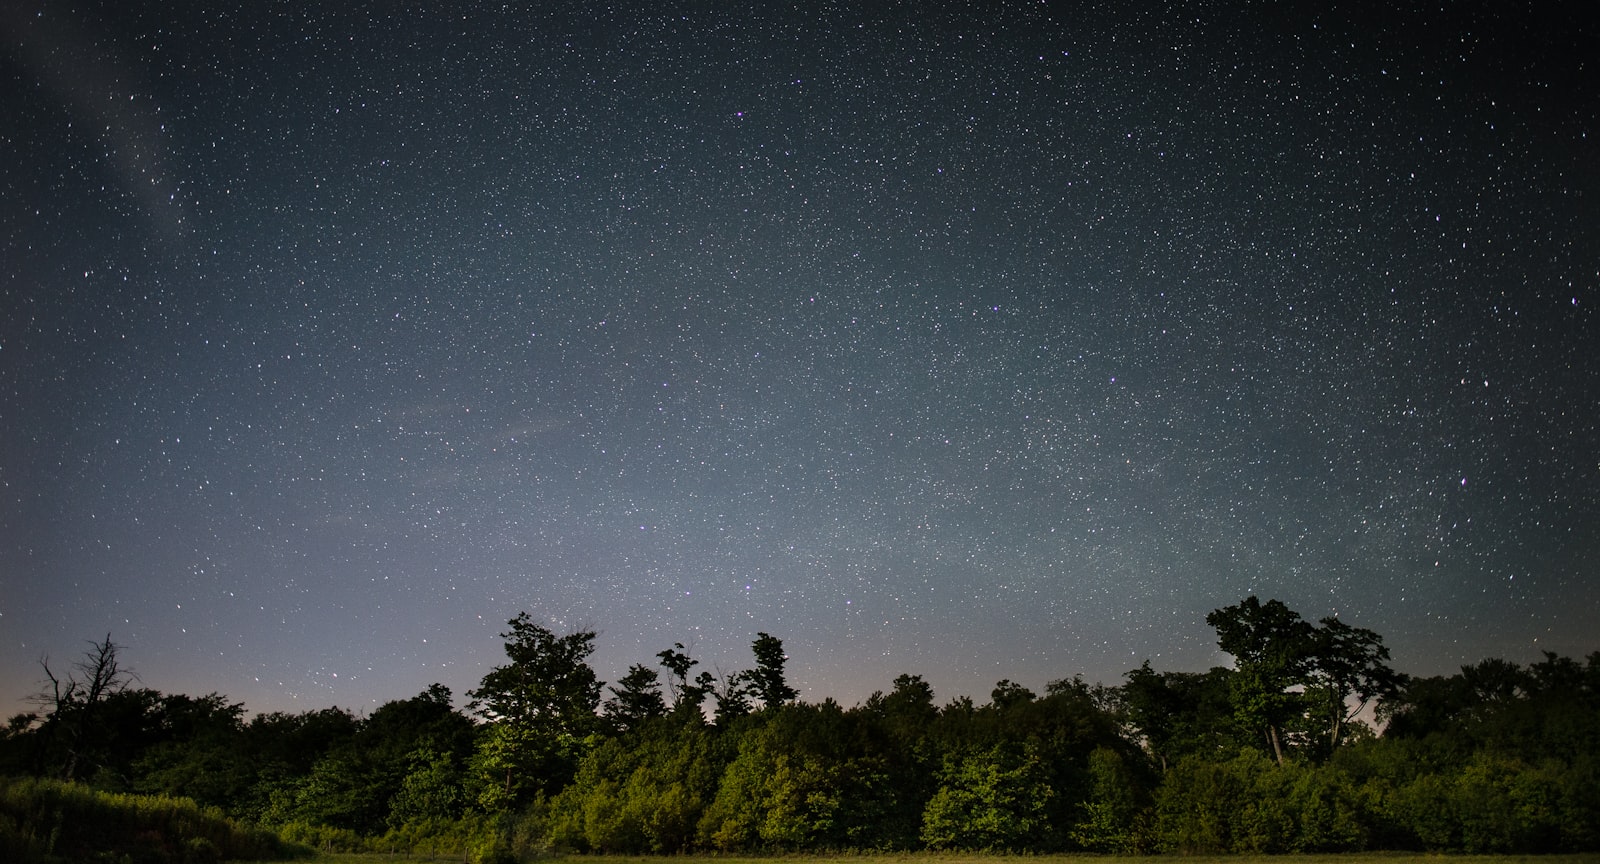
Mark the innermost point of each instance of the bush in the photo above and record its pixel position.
(44, 820)
(1252, 805)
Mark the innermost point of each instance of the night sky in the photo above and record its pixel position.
(972, 341)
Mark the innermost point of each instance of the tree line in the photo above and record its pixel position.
(1310, 742)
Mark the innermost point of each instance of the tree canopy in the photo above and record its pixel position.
(1293, 678)
(1278, 753)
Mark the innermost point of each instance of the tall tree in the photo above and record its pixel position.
(635, 699)
(1289, 670)
(1272, 647)
(1155, 709)
(544, 702)
(1180, 713)
(731, 692)
(767, 680)
(74, 701)
(1349, 669)
(548, 684)
(687, 695)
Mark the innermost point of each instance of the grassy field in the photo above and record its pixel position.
(968, 858)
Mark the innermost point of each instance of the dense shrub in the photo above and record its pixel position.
(43, 820)
(1251, 804)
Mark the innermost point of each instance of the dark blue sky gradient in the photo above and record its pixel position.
(972, 341)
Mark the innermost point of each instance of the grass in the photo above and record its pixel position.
(48, 820)
(981, 858)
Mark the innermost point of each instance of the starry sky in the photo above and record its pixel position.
(975, 341)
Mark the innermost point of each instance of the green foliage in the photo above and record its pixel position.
(338, 793)
(1495, 805)
(1179, 714)
(731, 693)
(430, 792)
(1112, 818)
(996, 799)
(1298, 684)
(1271, 646)
(504, 766)
(1349, 669)
(540, 707)
(1008, 693)
(47, 820)
(401, 760)
(908, 709)
(1253, 805)
(788, 785)
(1262, 759)
(645, 793)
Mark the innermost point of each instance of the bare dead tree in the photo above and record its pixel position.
(71, 701)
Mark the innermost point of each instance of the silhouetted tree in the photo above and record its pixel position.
(1349, 669)
(1272, 647)
(909, 706)
(635, 699)
(75, 702)
(1180, 713)
(1007, 693)
(731, 692)
(767, 680)
(687, 695)
(541, 704)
